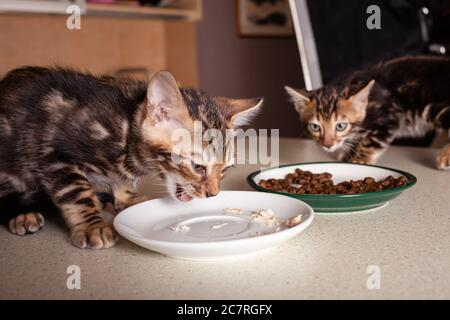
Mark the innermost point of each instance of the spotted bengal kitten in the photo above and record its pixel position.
(361, 114)
(68, 140)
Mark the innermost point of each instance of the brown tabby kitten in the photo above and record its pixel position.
(360, 115)
(69, 139)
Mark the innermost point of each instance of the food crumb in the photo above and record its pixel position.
(180, 228)
(266, 216)
(293, 221)
(219, 225)
(264, 213)
(233, 210)
(256, 234)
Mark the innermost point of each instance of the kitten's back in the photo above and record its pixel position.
(65, 110)
(417, 79)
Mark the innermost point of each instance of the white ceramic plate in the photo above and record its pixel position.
(213, 234)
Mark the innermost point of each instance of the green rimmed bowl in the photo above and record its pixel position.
(338, 203)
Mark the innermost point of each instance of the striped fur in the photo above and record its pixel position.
(403, 97)
(69, 140)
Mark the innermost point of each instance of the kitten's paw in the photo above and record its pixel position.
(443, 158)
(360, 160)
(26, 223)
(95, 237)
(131, 201)
(365, 159)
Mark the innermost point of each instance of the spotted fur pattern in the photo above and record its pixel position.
(361, 114)
(70, 141)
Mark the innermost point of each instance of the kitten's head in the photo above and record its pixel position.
(174, 124)
(331, 115)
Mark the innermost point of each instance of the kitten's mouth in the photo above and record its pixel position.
(181, 194)
(329, 149)
(333, 148)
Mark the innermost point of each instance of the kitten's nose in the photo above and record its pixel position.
(327, 142)
(209, 194)
(212, 187)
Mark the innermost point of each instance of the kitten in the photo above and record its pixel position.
(69, 139)
(360, 115)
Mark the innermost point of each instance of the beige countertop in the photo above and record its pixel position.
(409, 241)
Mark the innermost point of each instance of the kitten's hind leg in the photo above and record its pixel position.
(443, 122)
(16, 206)
(20, 214)
(26, 223)
(75, 198)
(443, 158)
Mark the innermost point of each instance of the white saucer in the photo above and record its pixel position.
(204, 231)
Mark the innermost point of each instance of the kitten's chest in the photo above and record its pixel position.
(415, 125)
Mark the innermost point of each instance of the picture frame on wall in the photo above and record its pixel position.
(264, 18)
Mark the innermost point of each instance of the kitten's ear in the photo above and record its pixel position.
(355, 106)
(361, 98)
(165, 103)
(298, 97)
(238, 111)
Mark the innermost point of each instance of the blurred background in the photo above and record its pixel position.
(235, 48)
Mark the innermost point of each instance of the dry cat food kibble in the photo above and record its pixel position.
(322, 183)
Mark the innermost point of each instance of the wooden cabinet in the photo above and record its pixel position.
(181, 9)
(106, 42)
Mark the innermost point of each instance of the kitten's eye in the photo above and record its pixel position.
(341, 126)
(314, 127)
(199, 169)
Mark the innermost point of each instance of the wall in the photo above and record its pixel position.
(103, 44)
(247, 67)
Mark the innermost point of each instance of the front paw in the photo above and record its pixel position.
(365, 158)
(443, 158)
(95, 237)
(353, 158)
(131, 201)
(360, 160)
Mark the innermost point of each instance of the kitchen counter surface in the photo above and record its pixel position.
(409, 241)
